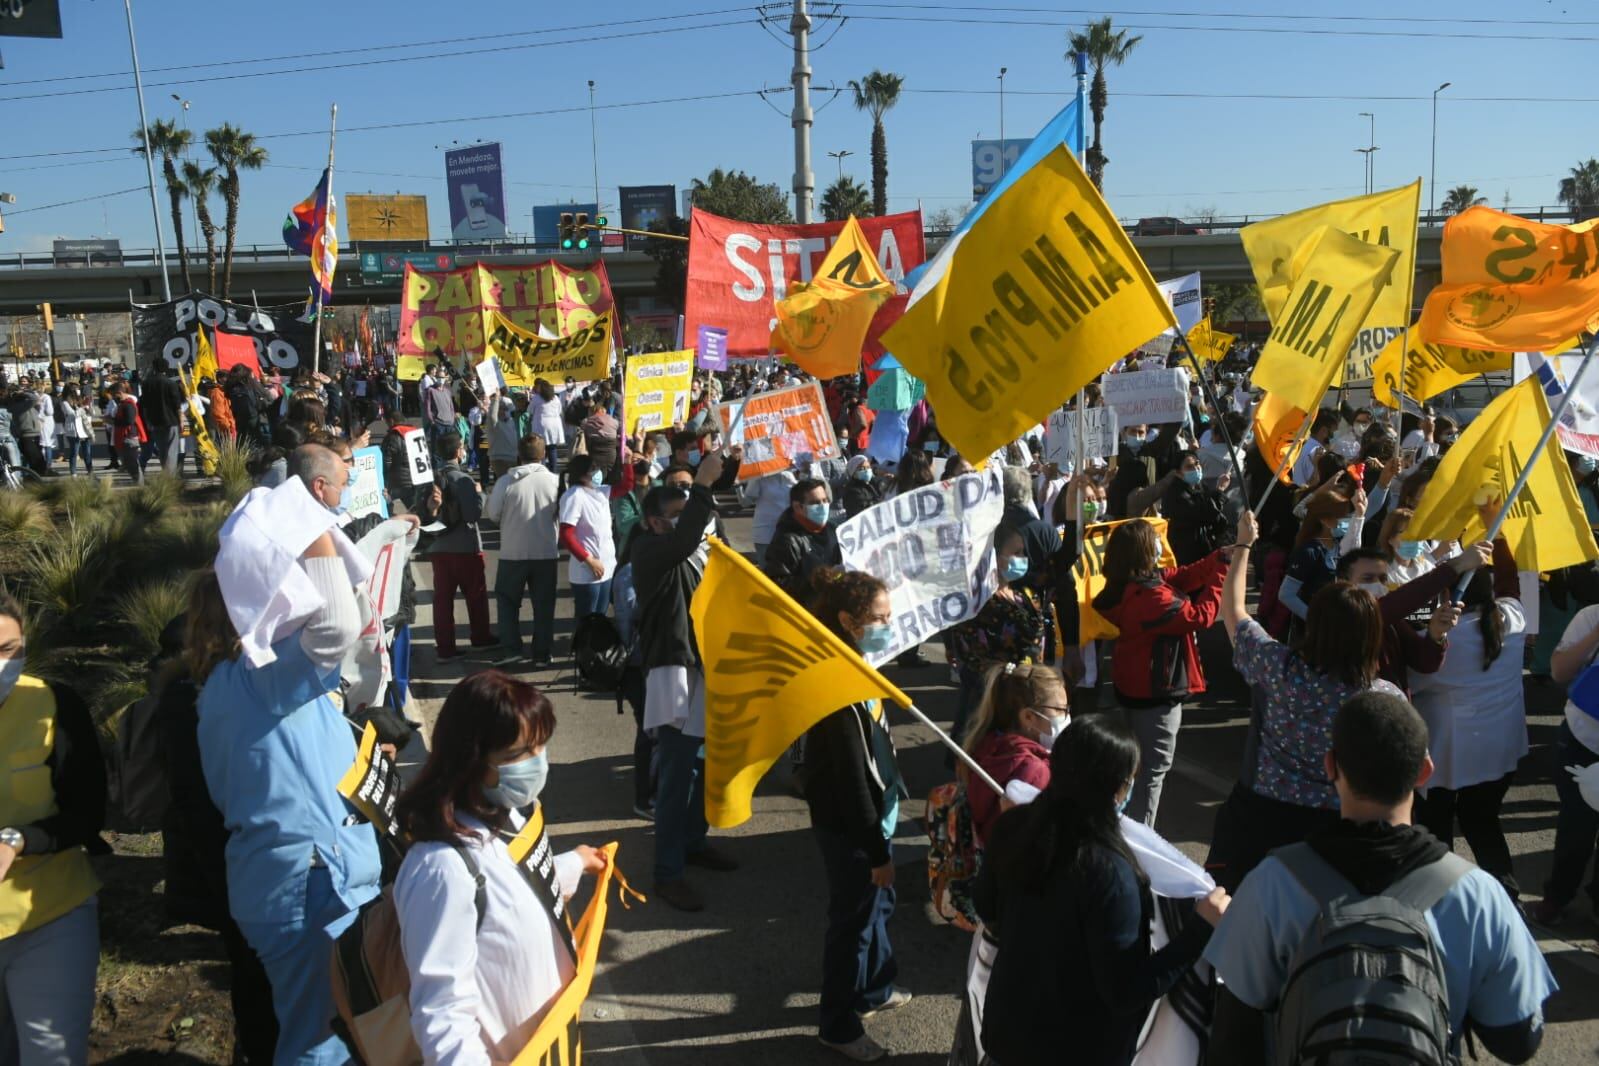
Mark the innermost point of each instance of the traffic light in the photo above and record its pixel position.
(568, 231)
(582, 224)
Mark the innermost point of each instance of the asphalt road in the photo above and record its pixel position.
(737, 983)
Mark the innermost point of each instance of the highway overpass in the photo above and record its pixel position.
(271, 275)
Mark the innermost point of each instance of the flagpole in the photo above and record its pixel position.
(960, 752)
(1532, 460)
(1080, 60)
(1215, 405)
(1294, 446)
(1404, 332)
(316, 344)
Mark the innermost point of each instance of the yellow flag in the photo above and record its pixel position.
(410, 368)
(526, 356)
(822, 325)
(1547, 528)
(1336, 279)
(1387, 218)
(203, 445)
(1277, 426)
(1210, 345)
(1090, 573)
(205, 359)
(1037, 299)
(771, 672)
(1429, 369)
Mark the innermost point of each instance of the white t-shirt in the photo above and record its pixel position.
(1476, 718)
(545, 418)
(1583, 726)
(589, 510)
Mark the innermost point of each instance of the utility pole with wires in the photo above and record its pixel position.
(802, 117)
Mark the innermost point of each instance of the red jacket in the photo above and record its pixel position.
(1005, 757)
(1155, 661)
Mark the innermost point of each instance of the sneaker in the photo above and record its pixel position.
(644, 811)
(710, 858)
(539, 662)
(862, 1049)
(680, 894)
(507, 661)
(1546, 912)
(897, 998)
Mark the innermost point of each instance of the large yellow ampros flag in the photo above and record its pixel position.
(1513, 285)
(822, 324)
(1429, 369)
(1040, 296)
(1546, 528)
(526, 356)
(1336, 280)
(771, 672)
(1387, 218)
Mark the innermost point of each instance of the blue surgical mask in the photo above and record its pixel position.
(1133, 444)
(863, 474)
(1121, 806)
(520, 782)
(694, 457)
(930, 446)
(596, 478)
(1016, 568)
(877, 638)
(817, 513)
(1410, 550)
(1585, 465)
(1193, 477)
(1340, 528)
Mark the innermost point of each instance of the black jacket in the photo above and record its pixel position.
(1041, 541)
(795, 552)
(858, 495)
(667, 568)
(1137, 470)
(1196, 521)
(844, 785)
(77, 777)
(161, 401)
(1074, 968)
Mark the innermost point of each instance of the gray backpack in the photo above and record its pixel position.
(1366, 985)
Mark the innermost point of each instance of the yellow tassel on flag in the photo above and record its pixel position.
(1547, 528)
(822, 325)
(771, 672)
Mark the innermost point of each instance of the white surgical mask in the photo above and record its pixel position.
(1376, 588)
(1054, 728)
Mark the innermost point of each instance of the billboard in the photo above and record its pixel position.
(644, 204)
(547, 220)
(475, 184)
(94, 252)
(401, 217)
(990, 163)
(30, 18)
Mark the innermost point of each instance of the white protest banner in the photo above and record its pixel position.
(1579, 422)
(1147, 397)
(655, 389)
(933, 548)
(364, 495)
(418, 454)
(489, 378)
(1060, 436)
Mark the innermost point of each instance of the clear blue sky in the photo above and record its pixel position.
(1168, 154)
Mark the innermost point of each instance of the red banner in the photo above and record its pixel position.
(737, 269)
(445, 310)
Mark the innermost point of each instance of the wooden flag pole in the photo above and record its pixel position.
(1532, 460)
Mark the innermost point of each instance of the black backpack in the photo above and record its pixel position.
(1366, 985)
(600, 654)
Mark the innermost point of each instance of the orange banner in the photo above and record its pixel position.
(776, 428)
(1513, 285)
(1277, 423)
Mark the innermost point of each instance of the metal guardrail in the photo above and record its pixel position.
(1149, 226)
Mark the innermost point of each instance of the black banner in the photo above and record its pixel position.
(166, 331)
(30, 18)
(643, 205)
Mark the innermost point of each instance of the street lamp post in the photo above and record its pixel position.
(1371, 150)
(1432, 198)
(840, 157)
(149, 157)
(1002, 122)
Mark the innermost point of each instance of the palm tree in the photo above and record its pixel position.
(234, 150)
(876, 94)
(846, 197)
(169, 141)
(1106, 47)
(1580, 192)
(201, 182)
(1461, 197)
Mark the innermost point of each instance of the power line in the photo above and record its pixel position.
(384, 47)
(1228, 15)
(80, 200)
(1067, 91)
(324, 69)
(984, 19)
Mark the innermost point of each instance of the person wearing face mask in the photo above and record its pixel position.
(853, 789)
(1415, 630)
(1008, 629)
(804, 539)
(1063, 894)
(456, 553)
(1195, 513)
(50, 820)
(860, 489)
(1327, 531)
(545, 417)
(1146, 456)
(1024, 711)
(586, 532)
(485, 939)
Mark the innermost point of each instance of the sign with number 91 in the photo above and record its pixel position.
(989, 163)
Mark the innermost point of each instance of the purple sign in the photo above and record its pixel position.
(711, 349)
(476, 188)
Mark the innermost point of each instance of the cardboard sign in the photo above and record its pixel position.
(778, 427)
(933, 548)
(489, 378)
(1147, 397)
(364, 495)
(418, 454)
(655, 389)
(1060, 436)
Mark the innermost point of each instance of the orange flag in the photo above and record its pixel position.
(1513, 285)
(1277, 423)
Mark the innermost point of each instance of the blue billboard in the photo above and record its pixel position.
(547, 220)
(475, 183)
(990, 163)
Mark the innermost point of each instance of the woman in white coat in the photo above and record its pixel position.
(485, 964)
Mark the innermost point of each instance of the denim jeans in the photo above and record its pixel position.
(1576, 826)
(536, 579)
(47, 988)
(858, 964)
(680, 825)
(79, 447)
(298, 958)
(592, 598)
